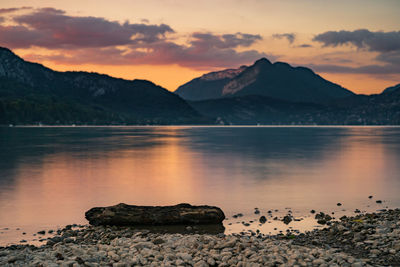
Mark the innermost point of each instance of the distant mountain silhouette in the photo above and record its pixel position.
(381, 109)
(263, 93)
(278, 80)
(32, 93)
(253, 109)
(392, 88)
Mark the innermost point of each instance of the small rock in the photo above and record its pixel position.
(262, 219)
(211, 261)
(79, 260)
(158, 241)
(287, 219)
(184, 256)
(200, 264)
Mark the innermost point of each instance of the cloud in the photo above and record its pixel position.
(289, 36)
(203, 51)
(13, 9)
(53, 29)
(304, 46)
(368, 69)
(204, 41)
(96, 40)
(390, 57)
(386, 44)
(365, 39)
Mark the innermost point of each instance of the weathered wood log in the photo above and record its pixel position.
(181, 214)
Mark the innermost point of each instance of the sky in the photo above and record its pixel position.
(355, 43)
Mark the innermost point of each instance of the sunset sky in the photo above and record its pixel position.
(355, 43)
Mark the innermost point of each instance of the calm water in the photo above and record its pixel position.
(50, 176)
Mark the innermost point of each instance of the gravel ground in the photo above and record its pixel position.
(364, 240)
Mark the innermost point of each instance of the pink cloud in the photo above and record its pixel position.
(95, 40)
(13, 9)
(51, 28)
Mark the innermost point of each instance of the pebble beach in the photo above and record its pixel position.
(371, 239)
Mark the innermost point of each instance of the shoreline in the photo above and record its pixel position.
(207, 126)
(370, 239)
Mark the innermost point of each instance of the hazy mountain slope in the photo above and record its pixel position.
(382, 109)
(256, 110)
(80, 97)
(208, 86)
(392, 88)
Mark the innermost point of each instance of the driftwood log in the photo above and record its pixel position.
(181, 214)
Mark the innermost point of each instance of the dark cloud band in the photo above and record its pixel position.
(52, 28)
(96, 40)
(386, 44)
(372, 41)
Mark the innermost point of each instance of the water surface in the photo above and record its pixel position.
(49, 176)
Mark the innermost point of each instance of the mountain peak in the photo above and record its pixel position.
(7, 53)
(223, 74)
(278, 80)
(262, 60)
(4, 49)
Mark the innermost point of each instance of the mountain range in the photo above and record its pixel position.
(31, 93)
(277, 93)
(263, 93)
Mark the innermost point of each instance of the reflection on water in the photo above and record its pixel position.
(50, 176)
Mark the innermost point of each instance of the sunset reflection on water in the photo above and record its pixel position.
(50, 176)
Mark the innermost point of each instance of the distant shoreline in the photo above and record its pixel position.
(203, 126)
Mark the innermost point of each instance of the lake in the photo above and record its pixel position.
(49, 176)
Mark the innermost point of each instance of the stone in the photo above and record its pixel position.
(211, 261)
(262, 219)
(124, 215)
(287, 219)
(184, 256)
(59, 256)
(200, 264)
(68, 264)
(158, 241)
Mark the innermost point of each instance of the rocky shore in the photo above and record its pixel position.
(364, 240)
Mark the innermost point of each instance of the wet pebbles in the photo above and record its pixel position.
(364, 240)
